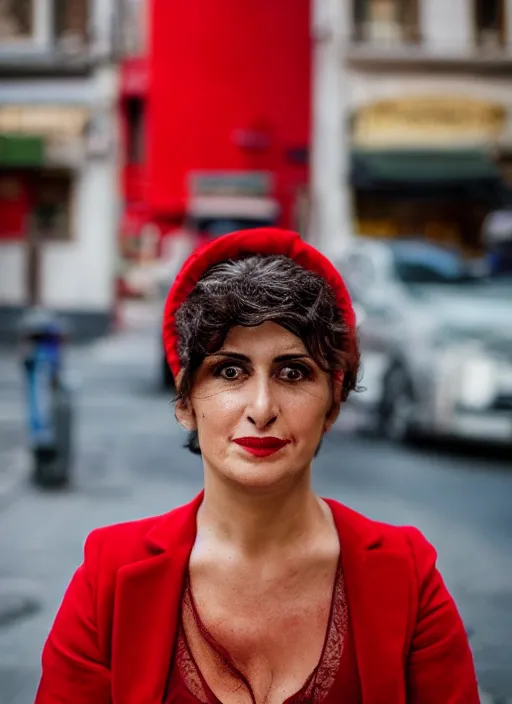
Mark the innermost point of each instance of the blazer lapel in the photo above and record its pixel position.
(146, 613)
(378, 584)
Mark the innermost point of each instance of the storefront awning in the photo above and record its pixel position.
(21, 150)
(374, 168)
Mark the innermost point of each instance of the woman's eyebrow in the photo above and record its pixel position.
(291, 357)
(244, 358)
(231, 355)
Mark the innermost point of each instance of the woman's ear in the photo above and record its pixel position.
(337, 389)
(184, 411)
(185, 415)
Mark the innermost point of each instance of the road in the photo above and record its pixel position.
(130, 463)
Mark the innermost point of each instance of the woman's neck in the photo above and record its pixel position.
(258, 522)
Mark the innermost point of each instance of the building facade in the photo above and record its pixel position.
(215, 112)
(230, 92)
(59, 199)
(412, 118)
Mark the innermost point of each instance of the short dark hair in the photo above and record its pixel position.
(251, 291)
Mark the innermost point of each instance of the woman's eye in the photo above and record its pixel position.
(294, 373)
(230, 372)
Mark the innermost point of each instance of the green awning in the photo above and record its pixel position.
(429, 167)
(21, 150)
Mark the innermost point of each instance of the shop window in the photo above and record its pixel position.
(71, 19)
(490, 23)
(386, 21)
(16, 20)
(52, 206)
(136, 126)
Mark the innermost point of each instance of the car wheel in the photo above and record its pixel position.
(397, 406)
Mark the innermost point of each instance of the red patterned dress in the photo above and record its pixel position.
(334, 680)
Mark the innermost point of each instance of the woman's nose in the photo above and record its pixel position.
(262, 410)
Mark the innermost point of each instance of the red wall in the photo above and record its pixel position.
(14, 205)
(218, 67)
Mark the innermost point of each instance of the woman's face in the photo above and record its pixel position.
(260, 405)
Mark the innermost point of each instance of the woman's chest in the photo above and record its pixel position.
(273, 634)
(276, 626)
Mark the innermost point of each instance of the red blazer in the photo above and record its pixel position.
(112, 639)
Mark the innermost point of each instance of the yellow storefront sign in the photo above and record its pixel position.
(44, 120)
(429, 121)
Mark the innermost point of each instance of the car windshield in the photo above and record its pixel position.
(418, 263)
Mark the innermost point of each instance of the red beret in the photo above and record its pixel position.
(265, 240)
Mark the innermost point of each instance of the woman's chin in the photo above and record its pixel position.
(258, 475)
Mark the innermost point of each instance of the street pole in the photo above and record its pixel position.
(331, 224)
(33, 264)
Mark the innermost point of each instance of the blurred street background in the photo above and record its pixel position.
(132, 131)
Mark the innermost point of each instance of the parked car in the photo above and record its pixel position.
(436, 341)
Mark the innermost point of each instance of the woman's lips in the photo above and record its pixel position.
(261, 447)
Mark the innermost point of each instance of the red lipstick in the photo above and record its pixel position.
(261, 447)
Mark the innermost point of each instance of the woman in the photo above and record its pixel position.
(259, 590)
